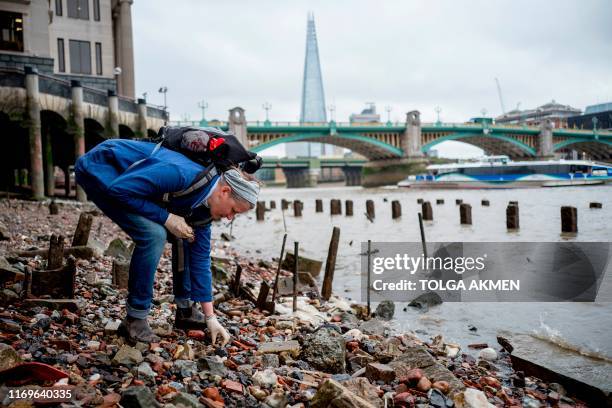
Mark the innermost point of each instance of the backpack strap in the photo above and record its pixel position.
(204, 178)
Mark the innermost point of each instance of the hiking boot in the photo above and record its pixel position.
(189, 318)
(135, 330)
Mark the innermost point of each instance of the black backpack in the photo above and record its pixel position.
(225, 152)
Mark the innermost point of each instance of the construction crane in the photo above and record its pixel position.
(499, 93)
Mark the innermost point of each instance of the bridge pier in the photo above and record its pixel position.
(391, 171)
(352, 176)
(78, 133)
(545, 140)
(301, 177)
(49, 169)
(112, 131)
(34, 130)
(238, 126)
(411, 139)
(141, 128)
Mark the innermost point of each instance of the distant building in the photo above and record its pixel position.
(553, 111)
(368, 115)
(71, 39)
(595, 116)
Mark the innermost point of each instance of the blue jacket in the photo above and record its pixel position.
(143, 185)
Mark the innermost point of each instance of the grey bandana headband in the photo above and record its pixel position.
(245, 189)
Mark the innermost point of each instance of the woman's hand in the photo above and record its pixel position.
(179, 228)
(215, 329)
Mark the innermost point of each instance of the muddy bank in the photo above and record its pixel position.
(325, 354)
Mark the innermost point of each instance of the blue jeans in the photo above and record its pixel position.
(149, 238)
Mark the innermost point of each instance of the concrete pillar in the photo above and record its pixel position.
(238, 125)
(410, 141)
(127, 50)
(78, 129)
(352, 176)
(34, 129)
(141, 130)
(545, 140)
(112, 130)
(48, 162)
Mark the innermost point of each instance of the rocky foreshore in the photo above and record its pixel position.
(326, 354)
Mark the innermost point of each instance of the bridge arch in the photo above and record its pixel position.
(125, 132)
(483, 141)
(366, 146)
(592, 147)
(94, 133)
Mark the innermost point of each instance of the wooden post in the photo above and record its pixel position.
(297, 208)
(260, 210)
(67, 186)
(485, 203)
(57, 283)
(458, 201)
(236, 285)
(280, 261)
(348, 207)
(335, 207)
(419, 201)
(284, 204)
(264, 289)
(396, 209)
(423, 242)
(370, 209)
(439, 201)
(53, 208)
(595, 205)
(318, 205)
(512, 216)
(272, 204)
(513, 202)
(569, 219)
(121, 273)
(55, 258)
(465, 214)
(427, 211)
(330, 264)
(81, 234)
(295, 274)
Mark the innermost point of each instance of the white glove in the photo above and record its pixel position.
(179, 228)
(215, 329)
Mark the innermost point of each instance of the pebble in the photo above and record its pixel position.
(488, 354)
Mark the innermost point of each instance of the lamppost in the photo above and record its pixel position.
(332, 111)
(144, 95)
(267, 108)
(164, 90)
(116, 73)
(203, 105)
(388, 109)
(438, 109)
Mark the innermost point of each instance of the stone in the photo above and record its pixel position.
(471, 398)
(278, 399)
(325, 351)
(354, 334)
(379, 372)
(8, 357)
(265, 378)
(54, 304)
(424, 384)
(8, 297)
(112, 327)
(127, 356)
(186, 368)
(186, 400)
(196, 334)
(451, 350)
(214, 365)
(232, 386)
(442, 386)
(270, 361)
(333, 394)
(138, 397)
(488, 354)
(403, 399)
(426, 300)
(412, 377)
(257, 392)
(145, 370)
(418, 357)
(5, 234)
(373, 326)
(117, 248)
(184, 352)
(385, 310)
(364, 389)
(213, 394)
(292, 346)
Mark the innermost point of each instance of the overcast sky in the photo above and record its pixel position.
(403, 54)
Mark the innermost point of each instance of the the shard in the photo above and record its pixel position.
(313, 97)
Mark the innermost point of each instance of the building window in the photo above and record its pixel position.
(11, 31)
(96, 10)
(80, 57)
(61, 59)
(99, 58)
(59, 10)
(78, 9)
